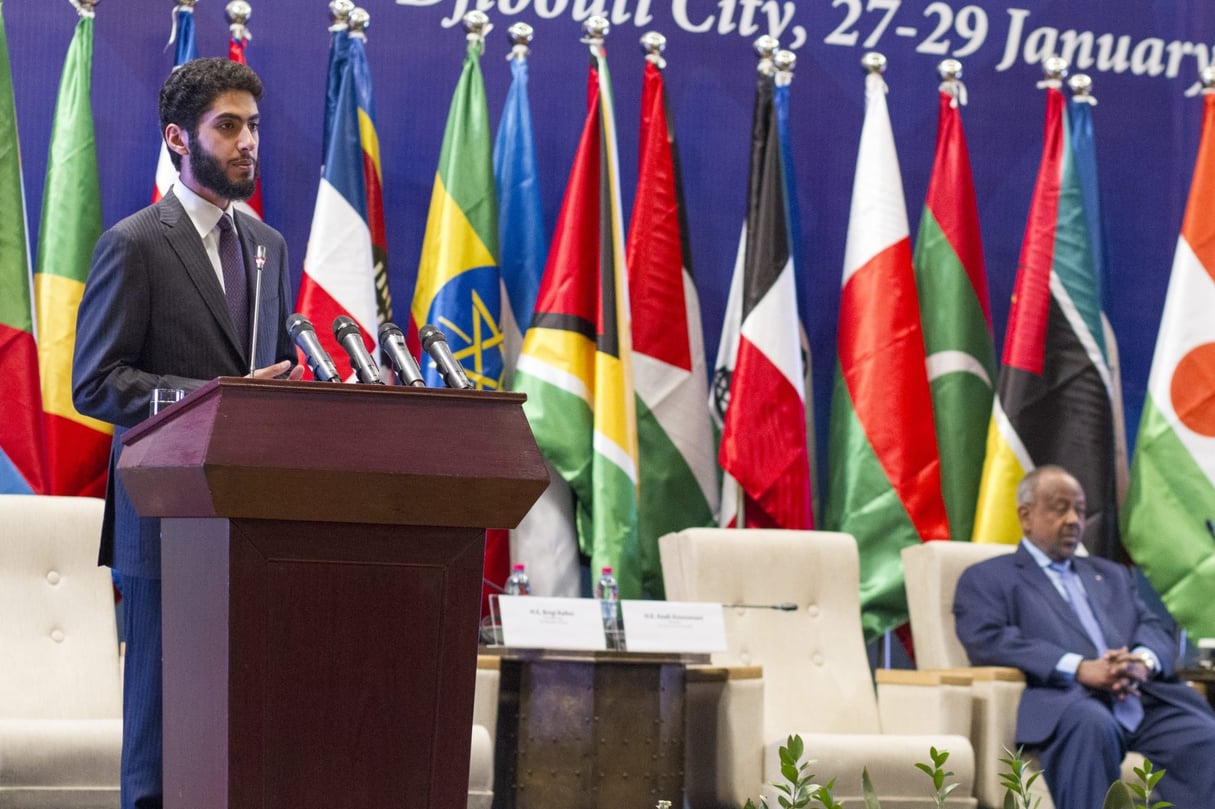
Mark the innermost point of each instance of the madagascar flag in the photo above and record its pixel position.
(78, 448)
(1167, 521)
(1053, 397)
(576, 365)
(21, 447)
(885, 482)
(952, 287)
(459, 284)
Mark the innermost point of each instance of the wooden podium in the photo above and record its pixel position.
(321, 555)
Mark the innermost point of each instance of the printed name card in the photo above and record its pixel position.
(673, 626)
(535, 622)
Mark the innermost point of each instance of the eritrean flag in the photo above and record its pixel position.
(885, 481)
(1053, 401)
(952, 286)
(576, 365)
(1167, 521)
(340, 265)
(459, 284)
(21, 447)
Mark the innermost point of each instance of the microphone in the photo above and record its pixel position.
(392, 343)
(449, 368)
(318, 359)
(260, 262)
(351, 340)
(786, 606)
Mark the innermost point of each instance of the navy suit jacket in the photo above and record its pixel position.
(1008, 613)
(153, 315)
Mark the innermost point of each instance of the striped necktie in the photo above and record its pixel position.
(235, 286)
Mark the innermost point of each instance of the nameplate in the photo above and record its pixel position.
(673, 626)
(535, 622)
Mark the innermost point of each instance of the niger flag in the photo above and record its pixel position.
(1167, 520)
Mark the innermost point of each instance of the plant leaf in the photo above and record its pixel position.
(871, 798)
(1118, 797)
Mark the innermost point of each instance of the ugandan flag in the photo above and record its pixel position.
(885, 481)
(1167, 521)
(956, 318)
(342, 262)
(1053, 400)
(459, 285)
(21, 447)
(576, 365)
(678, 476)
(78, 448)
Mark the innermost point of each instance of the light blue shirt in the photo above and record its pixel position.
(1070, 662)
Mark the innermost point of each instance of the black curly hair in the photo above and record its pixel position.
(191, 89)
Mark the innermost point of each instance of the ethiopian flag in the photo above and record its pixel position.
(576, 364)
(952, 286)
(1167, 519)
(459, 283)
(78, 448)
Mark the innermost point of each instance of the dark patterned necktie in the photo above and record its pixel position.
(235, 287)
(1129, 711)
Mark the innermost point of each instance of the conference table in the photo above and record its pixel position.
(600, 730)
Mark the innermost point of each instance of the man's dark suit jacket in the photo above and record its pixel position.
(153, 315)
(1008, 613)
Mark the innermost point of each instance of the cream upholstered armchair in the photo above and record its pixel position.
(931, 571)
(816, 680)
(60, 684)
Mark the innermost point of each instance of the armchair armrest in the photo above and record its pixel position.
(924, 701)
(724, 742)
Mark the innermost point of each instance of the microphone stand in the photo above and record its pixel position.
(260, 261)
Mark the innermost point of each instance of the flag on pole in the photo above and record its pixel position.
(1167, 520)
(576, 364)
(1053, 401)
(78, 448)
(187, 50)
(459, 286)
(759, 382)
(342, 261)
(885, 481)
(238, 42)
(678, 477)
(22, 453)
(545, 538)
(951, 283)
(1084, 147)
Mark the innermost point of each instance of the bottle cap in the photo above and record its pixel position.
(517, 566)
(607, 570)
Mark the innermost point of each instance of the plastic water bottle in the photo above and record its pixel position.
(518, 584)
(608, 593)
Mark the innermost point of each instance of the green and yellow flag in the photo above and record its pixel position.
(78, 448)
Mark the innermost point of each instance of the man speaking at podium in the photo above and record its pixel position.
(169, 304)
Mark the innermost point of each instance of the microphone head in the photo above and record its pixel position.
(388, 330)
(343, 327)
(429, 335)
(297, 323)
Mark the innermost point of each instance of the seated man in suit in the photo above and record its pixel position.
(1097, 662)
